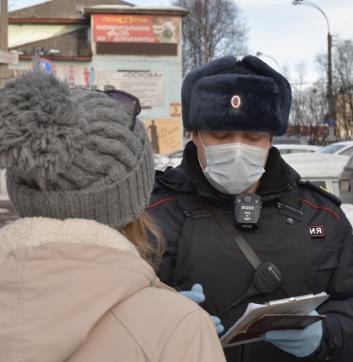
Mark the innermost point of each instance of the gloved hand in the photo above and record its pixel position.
(298, 342)
(196, 295)
(218, 324)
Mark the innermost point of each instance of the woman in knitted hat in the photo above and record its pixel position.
(73, 284)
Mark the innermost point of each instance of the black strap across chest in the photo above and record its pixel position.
(267, 276)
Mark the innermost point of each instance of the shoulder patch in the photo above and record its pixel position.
(336, 200)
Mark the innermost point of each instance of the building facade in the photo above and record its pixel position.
(4, 74)
(344, 114)
(105, 44)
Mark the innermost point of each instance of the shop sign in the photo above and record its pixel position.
(135, 29)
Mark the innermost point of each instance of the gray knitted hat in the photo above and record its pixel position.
(72, 153)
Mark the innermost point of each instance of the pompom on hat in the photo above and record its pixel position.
(227, 94)
(72, 153)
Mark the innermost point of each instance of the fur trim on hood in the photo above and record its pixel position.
(36, 231)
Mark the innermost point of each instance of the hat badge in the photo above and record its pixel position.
(235, 101)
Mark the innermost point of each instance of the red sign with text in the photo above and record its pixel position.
(123, 29)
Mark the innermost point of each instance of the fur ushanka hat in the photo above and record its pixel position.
(72, 153)
(227, 94)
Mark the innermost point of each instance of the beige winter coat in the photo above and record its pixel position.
(77, 291)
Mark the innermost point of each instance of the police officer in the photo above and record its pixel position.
(233, 109)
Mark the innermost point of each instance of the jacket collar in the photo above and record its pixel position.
(37, 231)
(277, 179)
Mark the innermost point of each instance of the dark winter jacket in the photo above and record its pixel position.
(198, 251)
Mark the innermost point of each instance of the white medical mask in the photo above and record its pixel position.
(234, 167)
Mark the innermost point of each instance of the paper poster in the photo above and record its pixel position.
(146, 85)
(166, 135)
(175, 109)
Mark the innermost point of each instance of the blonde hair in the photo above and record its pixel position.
(140, 232)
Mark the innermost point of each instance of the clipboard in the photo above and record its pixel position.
(289, 313)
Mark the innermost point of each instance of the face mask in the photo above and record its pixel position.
(234, 167)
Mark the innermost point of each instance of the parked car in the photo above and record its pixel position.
(339, 148)
(176, 154)
(175, 158)
(348, 210)
(346, 182)
(321, 169)
(160, 161)
(289, 140)
(292, 148)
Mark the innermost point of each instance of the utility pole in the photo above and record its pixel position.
(4, 72)
(330, 96)
(331, 100)
(6, 57)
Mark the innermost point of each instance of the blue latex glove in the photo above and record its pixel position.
(218, 324)
(298, 342)
(196, 295)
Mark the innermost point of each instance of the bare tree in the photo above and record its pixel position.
(343, 83)
(212, 28)
(309, 104)
(299, 107)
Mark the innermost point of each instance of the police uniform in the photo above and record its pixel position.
(302, 230)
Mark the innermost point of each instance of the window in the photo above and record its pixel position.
(335, 188)
(350, 163)
(331, 148)
(347, 152)
(320, 183)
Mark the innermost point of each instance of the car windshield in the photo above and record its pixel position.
(331, 148)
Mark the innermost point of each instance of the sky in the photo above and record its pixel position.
(291, 35)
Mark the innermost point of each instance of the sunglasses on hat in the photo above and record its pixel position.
(129, 102)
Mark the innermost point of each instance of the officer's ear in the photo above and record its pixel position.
(195, 137)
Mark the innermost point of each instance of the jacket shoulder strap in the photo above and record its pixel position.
(310, 185)
(289, 203)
